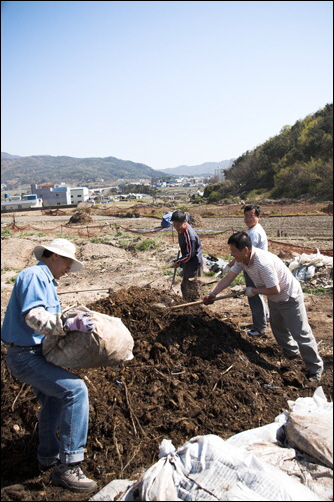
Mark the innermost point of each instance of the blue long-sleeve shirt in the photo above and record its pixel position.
(191, 250)
(34, 287)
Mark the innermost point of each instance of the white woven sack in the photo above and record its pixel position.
(109, 344)
(312, 434)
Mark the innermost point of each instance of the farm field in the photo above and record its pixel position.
(195, 370)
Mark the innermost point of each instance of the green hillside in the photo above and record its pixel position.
(297, 163)
(47, 169)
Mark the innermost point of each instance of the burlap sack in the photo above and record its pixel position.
(109, 344)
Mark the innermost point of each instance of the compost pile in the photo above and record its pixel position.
(81, 216)
(193, 373)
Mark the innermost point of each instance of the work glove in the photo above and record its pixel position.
(249, 292)
(209, 299)
(81, 322)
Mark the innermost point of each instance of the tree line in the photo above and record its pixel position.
(297, 163)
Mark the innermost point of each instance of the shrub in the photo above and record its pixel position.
(11, 280)
(32, 232)
(168, 272)
(146, 244)
(6, 232)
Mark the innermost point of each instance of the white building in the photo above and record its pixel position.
(18, 202)
(79, 194)
(58, 195)
(52, 195)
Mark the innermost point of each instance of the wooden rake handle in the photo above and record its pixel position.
(232, 295)
(173, 280)
(82, 291)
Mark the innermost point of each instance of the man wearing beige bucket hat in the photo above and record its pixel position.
(34, 311)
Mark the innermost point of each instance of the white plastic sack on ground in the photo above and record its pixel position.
(304, 272)
(208, 468)
(316, 259)
(316, 477)
(266, 443)
(309, 427)
(270, 432)
(112, 490)
(110, 343)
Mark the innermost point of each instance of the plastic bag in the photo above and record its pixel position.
(309, 427)
(208, 468)
(109, 344)
(304, 272)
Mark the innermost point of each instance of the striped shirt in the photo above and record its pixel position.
(266, 271)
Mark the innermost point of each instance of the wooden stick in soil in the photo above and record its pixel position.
(117, 448)
(132, 414)
(91, 384)
(13, 404)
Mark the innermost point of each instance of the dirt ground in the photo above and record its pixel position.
(195, 370)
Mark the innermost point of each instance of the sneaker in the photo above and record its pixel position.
(255, 332)
(71, 477)
(315, 377)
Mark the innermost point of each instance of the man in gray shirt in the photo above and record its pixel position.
(288, 317)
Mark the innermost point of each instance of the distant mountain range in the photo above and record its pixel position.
(205, 169)
(5, 155)
(18, 171)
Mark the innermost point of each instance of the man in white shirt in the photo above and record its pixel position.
(288, 317)
(259, 240)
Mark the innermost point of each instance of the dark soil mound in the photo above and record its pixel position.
(196, 220)
(80, 217)
(193, 373)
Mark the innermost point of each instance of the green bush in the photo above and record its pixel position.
(32, 232)
(197, 200)
(319, 291)
(168, 272)
(61, 235)
(146, 244)
(11, 280)
(125, 235)
(207, 214)
(6, 232)
(184, 208)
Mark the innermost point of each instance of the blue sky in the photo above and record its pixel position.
(161, 83)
